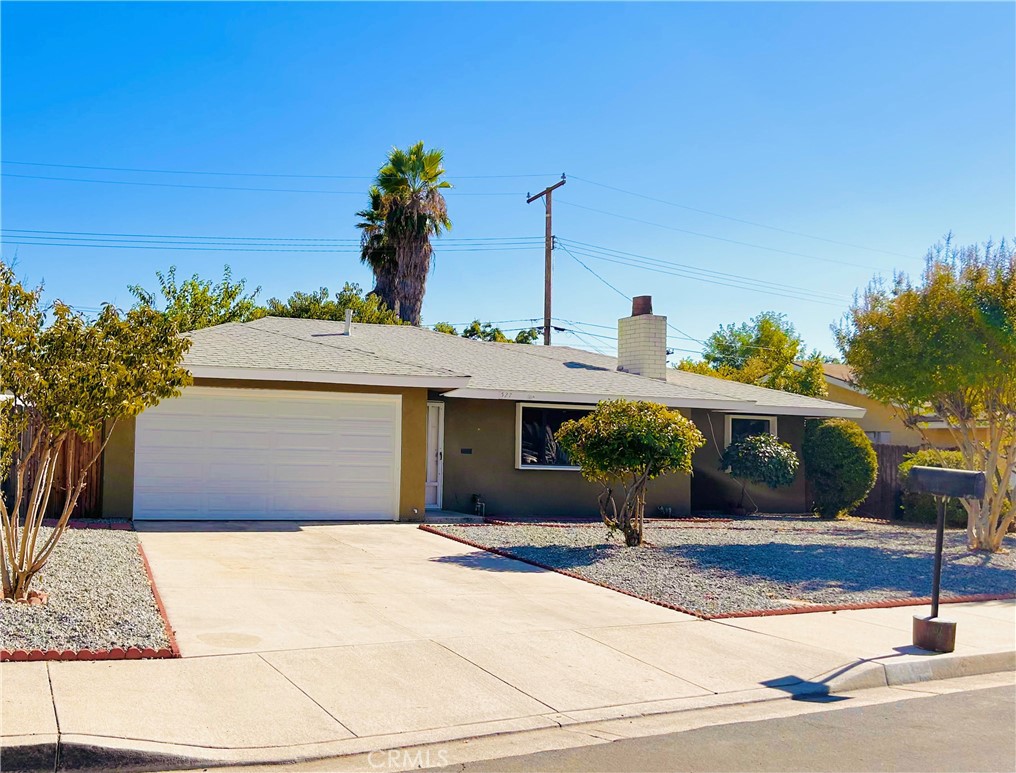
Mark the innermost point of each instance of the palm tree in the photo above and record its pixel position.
(376, 252)
(412, 209)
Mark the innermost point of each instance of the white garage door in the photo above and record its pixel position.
(268, 454)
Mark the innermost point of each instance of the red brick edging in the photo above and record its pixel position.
(909, 602)
(115, 653)
(662, 523)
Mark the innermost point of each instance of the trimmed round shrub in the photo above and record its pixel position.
(761, 459)
(921, 508)
(840, 464)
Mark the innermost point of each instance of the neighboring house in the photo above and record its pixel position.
(881, 423)
(308, 419)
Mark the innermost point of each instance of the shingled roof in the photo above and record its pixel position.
(283, 349)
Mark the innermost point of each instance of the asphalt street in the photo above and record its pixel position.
(966, 731)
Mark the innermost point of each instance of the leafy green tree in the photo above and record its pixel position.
(67, 376)
(320, 305)
(946, 345)
(767, 351)
(625, 444)
(196, 303)
(444, 327)
(761, 459)
(407, 208)
(840, 463)
(487, 332)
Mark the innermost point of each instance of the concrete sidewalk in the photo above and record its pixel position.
(399, 638)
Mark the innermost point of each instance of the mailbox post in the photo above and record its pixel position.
(930, 633)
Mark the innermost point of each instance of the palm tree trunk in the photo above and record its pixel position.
(414, 265)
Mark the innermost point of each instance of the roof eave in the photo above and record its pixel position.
(326, 377)
(587, 398)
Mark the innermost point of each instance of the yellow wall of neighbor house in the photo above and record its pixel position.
(118, 460)
(487, 429)
(713, 489)
(878, 417)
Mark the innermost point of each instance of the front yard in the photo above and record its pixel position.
(756, 564)
(99, 598)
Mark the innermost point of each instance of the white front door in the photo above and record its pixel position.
(435, 455)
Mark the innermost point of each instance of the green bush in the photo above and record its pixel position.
(623, 445)
(921, 508)
(840, 464)
(760, 459)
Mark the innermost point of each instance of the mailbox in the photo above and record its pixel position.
(930, 633)
(946, 482)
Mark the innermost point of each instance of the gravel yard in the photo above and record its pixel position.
(758, 563)
(99, 598)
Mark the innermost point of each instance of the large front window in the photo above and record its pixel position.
(535, 442)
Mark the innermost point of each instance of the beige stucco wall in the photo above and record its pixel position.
(118, 460)
(714, 490)
(487, 427)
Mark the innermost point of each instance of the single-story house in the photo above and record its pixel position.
(319, 420)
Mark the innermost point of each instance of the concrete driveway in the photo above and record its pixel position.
(316, 640)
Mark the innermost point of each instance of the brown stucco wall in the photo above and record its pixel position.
(118, 461)
(712, 489)
(488, 428)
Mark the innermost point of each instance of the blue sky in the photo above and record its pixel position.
(877, 125)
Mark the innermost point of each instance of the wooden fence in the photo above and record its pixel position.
(884, 499)
(75, 454)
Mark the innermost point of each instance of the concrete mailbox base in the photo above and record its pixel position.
(935, 634)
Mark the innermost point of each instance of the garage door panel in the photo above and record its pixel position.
(264, 454)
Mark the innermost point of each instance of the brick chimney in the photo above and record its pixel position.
(642, 340)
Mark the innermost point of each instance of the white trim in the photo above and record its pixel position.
(561, 399)
(235, 392)
(518, 433)
(440, 450)
(838, 409)
(325, 377)
(727, 418)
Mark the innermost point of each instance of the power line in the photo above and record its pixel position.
(735, 284)
(583, 246)
(720, 238)
(739, 220)
(253, 174)
(623, 295)
(151, 246)
(227, 187)
(264, 238)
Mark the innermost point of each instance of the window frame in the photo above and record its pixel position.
(518, 434)
(729, 417)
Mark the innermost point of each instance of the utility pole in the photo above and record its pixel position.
(547, 249)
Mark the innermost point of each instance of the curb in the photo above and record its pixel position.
(907, 602)
(32, 754)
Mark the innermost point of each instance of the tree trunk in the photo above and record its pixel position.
(414, 265)
(385, 284)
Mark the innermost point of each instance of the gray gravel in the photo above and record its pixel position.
(99, 598)
(759, 563)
